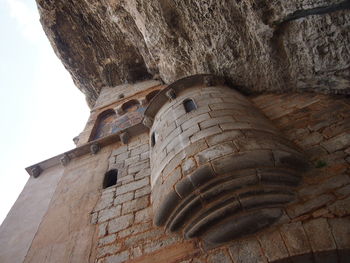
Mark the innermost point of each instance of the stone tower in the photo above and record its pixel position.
(206, 168)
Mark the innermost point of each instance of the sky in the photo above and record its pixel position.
(40, 108)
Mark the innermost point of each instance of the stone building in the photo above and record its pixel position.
(219, 132)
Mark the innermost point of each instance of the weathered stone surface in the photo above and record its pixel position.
(290, 45)
(295, 239)
(246, 251)
(273, 246)
(120, 223)
(219, 256)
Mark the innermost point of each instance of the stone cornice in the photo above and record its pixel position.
(64, 158)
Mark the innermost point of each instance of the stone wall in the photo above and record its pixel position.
(79, 221)
(217, 169)
(124, 213)
(65, 233)
(23, 221)
(314, 227)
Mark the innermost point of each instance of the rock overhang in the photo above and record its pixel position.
(258, 45)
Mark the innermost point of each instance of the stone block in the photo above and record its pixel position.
(341, 232)
(194, 121)
(340, 208)
(184, 187)
(205, 133)
(173, 253)
(107, 240)
(159, 244)
(246, 251)
(102, 229)
(149, 235)
(344, 191)
(165, 141)
(120, 223)
(219, 256)
(144, 156)
(326, 185)
(105, 201)
(109, 213)
(309, 206)
(188, 166)
(202, 175)
(337, 143)
(222, 106)
(214, 121)
(143, 191)
(221, 113)
(123, 198)
(255, 159)
(125, 179)
(121, 157)
(224, 137)
(166, 129)
(178, 111)
(173, 163)
(135, 229)
(319, 235)
(140, 149)
(295, 239)
(120, 149)
(135, 205)
(143, 215)
(132, 160)
(273, 245)
(215, 152)
(132, 186)
(118, 258)
(311, 139)
(177, 141)
(136, 252)
(138, 167)
(108, 250)
(142, 174)
(94, 218)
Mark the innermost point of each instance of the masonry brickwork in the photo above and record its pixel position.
(79, 221)
(313, 228)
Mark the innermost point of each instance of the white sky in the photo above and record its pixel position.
(40, 108)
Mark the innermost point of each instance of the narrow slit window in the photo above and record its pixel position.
(153, 139)
(110, 178)
(189, 105)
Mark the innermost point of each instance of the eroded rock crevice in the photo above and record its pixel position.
(316, 11)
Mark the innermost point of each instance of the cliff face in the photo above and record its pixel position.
(259, 45)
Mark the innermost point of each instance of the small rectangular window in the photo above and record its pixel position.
(189, 105)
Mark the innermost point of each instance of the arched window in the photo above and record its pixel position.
(131, 105)
(110, 178)
(104, 124)
(151, 95)
(189, 105)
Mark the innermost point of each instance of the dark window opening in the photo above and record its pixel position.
(153, 139)
(189, 105)
(110, 178)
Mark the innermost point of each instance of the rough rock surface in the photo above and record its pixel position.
(259, 45)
